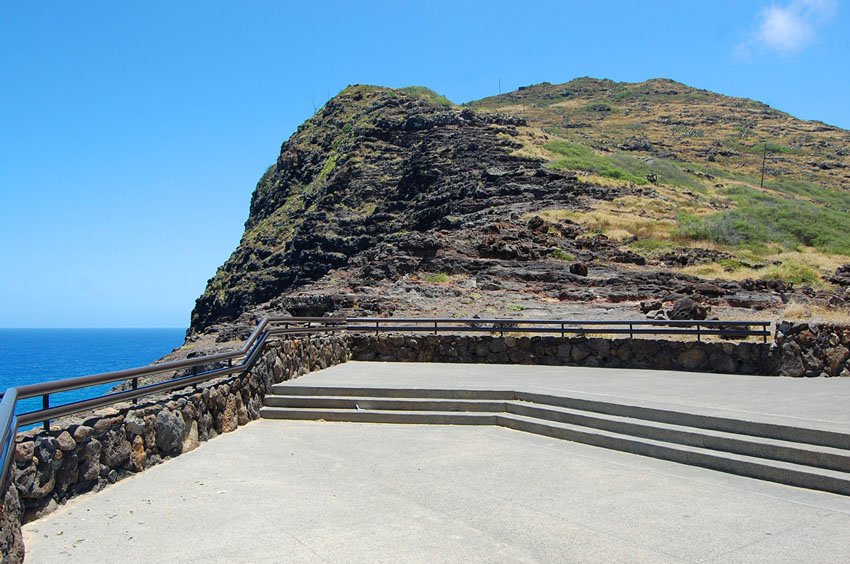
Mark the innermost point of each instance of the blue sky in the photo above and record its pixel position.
(132, 133)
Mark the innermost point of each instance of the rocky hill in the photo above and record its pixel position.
(580, 200)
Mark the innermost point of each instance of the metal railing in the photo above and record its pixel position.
(241, 359)
(563, 327)
(198, 369)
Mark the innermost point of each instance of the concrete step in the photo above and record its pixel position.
(781, 432)
(400, 404)
(286, 389)
(765, 469)
(379, 416)
(760, 447)
(797, 453)
(771, 470)
(785, 454)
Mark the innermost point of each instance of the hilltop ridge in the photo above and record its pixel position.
(399, 201)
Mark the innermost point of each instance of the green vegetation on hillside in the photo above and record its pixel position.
(761, 218)
(573, 156)
(619, 165)
(793, 271)
(435, 277)
(428, 95)
(560, 254)
(699, 156)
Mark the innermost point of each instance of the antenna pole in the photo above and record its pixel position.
(763, 162)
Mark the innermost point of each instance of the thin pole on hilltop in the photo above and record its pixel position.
(763, 162)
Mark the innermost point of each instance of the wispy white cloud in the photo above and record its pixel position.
(788, 28)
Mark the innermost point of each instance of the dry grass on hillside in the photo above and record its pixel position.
(815, 313)
(806, 266)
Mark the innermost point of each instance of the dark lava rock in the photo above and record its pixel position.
(651, 305)
(233, 333)
(169, 427)
(779, 286)
(536, 223)
(628, 257)
(658, 315)
(308, 306)
(841, 276)
(115, 448)
(578, 268)
(494, 172)
(689, 257)
(686, 308)
(709, 290)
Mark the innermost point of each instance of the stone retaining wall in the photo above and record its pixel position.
(51, 467)
(813, 349)
(723, 357)
(11, 543)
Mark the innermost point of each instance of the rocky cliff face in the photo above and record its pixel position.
(388, 202)
(380, 185)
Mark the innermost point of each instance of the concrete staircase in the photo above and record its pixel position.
(795, 456)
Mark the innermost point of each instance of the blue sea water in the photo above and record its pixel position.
(29, 356)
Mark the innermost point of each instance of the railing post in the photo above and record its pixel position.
(435, 328)
(135, 385)
(562, 331)
(699, 333)
(45, 404)
(631, 329)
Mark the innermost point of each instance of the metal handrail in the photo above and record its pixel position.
(34, 390)
(277, 326)
(658, 322)
(248, 352)
(9, 422)
(563, 327)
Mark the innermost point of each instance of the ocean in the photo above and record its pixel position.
(29, 356)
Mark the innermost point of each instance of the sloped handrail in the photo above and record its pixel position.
(248, 352)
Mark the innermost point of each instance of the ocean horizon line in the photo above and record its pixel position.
(88, 328)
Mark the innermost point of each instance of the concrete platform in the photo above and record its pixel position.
(820, 403)
(346, 492)
(277, 491)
